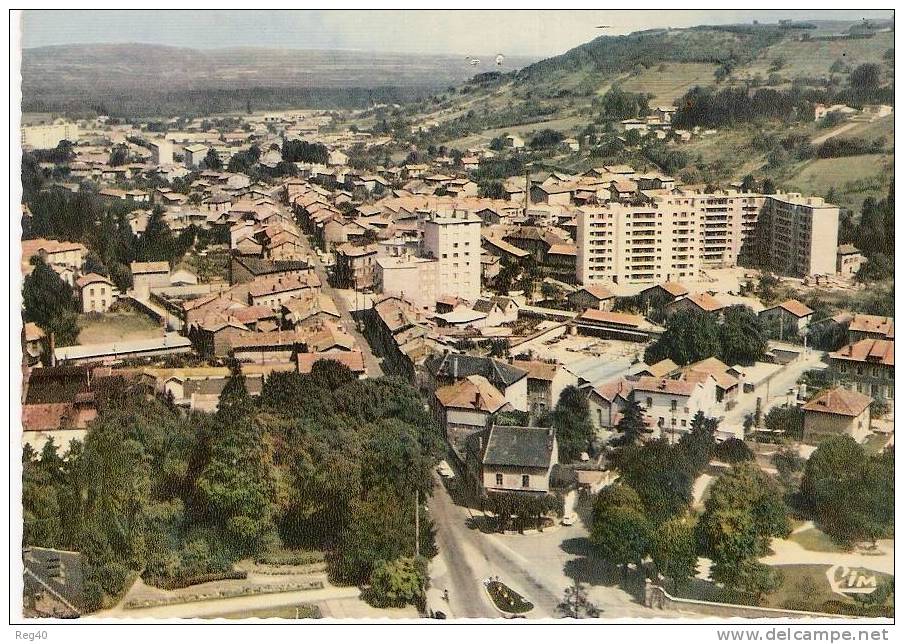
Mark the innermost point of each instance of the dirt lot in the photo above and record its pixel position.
(113, 327)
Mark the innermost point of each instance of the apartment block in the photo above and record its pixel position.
(453, 239)
(673, 234)
(799, 235)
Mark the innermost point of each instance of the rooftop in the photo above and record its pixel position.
(841, 401)
(519, 446)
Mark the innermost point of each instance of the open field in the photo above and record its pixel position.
(816, 540)
(672, 82)
(815, 58)
(806, 584)
(567, 124)
(113, 327)
(854, 178)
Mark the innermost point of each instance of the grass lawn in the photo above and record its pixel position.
(854, 178)
(670, 83)
(806, 587)
(112, 327)
(816, 540)
(300, 611)
(506, 599)
(212, 267)
(875, 443)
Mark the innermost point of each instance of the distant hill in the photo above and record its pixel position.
(71, 75)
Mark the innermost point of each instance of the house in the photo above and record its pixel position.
(672, 404)
(274, 292)
(166, 344)
(97, 293)
(148, 275)
(514, 459)
(466, 406)
(696, 303)
(837, 412)
(848, 260)
(791, 313)
(193, 155)
(875, 327)
(595, 296)
(498, 309)
(545, 382)
(33, 338)
(355, 265)
(867, 366)
(657, 297)
(607, 402)
(450, 368)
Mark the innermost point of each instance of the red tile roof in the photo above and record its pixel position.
(839, 401)
(794, 307)
(868, 350)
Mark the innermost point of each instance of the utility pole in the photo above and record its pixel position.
(417, 523)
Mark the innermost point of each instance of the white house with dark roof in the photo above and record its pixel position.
(514, 459)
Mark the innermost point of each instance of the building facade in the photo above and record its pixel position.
(454, 241)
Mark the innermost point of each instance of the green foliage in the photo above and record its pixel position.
(789, 464)
(689, 337)
(400, 582)
(733, 105)
(48, 302)
(620, 530)
(632, 426)
(305, 152)
(576, 605)
(574, 428)
(788, 419)
(545, 139)
(661, 476)
(742, 513)
(674, 549)
(620, 105)
(850, 494)
(733, 450)
(741, 337)
(317, 461)
(522, 511)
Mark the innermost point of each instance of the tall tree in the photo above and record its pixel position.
(741, 336)
(620, 529)
(689, 337)
(48, 302)
(574, 428)
(631, 427)
(674, 549)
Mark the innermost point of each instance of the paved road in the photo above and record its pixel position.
(371, 364)
(776, 393)
(539, 566)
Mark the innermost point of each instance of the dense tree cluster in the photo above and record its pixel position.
(706, 107)
(48, 302)
(319, 461)
(850, 493)
(295, 150)
(618, 104)
(692, 336)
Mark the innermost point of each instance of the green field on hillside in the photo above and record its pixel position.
(854, 178)
(669, 81)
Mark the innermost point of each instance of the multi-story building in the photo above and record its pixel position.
(673, 234)
(47, 136)
(161, 151)
(798, 235)
(454, 241)
(866, 366)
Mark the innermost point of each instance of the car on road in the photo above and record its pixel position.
(569, 519)
(445, 470)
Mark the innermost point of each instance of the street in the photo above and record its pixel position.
(371, 364)
(539, 566)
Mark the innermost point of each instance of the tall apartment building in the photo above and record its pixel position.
(799, 235)
(47, 136)
(674, 234)
(453, 239)
(161, 151)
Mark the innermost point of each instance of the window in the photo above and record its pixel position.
(649, 402)
(525, 480)
(499, 479)
(674, 405)
(683, 422)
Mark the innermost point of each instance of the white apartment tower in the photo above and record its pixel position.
(161, 151)
(677, 233)
(453, 239)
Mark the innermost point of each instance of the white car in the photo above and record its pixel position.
(445, 471)
(569, 519)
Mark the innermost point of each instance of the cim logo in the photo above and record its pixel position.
(851, 581)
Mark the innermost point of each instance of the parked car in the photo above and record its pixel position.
(445, 470)
(569, 519)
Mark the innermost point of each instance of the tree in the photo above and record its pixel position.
(674, 549)
(632, 426)
(212, 160)
(119, 156)
(850, 494)
(748, 184)
(399, 582)
(743, 513)
(789, 465)
(741, 336)
(157, 240)
(699, 444)
(574, 428)
(659, 474)
(733, 450)
(768, 186)
(866, 77)
(48, 302)
(786, 419)
(620, 530)
(576, 605)
(689, 337)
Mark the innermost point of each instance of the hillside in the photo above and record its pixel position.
(126, 74)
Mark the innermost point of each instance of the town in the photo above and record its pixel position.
(300, 363)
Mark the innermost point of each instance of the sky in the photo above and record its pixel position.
(526, 33)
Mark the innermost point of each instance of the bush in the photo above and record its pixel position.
(290, 558)
(184, 582)
(733, 450)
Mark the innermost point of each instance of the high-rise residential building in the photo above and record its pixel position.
(453, 239)
(799, 235)
(673, 234)
(161, 151)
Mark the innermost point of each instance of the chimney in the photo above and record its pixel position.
(455, 367)
(477, 400)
